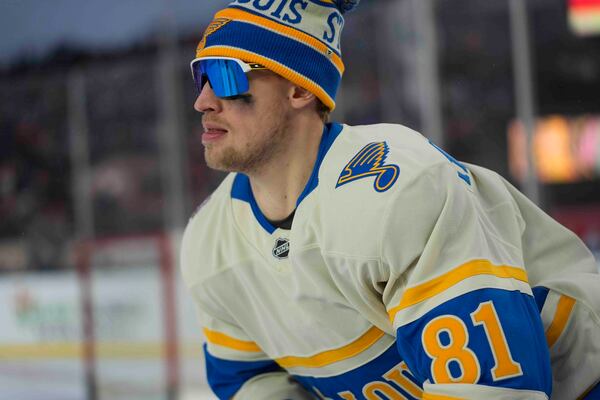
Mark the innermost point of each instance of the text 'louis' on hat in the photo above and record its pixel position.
(297, 39)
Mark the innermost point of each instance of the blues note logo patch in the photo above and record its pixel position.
(370, 161)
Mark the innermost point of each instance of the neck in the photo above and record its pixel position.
(278, 184)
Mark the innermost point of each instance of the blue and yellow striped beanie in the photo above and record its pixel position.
(297, 39)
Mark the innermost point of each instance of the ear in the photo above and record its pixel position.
(300, 97)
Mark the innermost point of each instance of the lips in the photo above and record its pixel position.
(212, 132)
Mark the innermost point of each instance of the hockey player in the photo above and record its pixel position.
(363, 262)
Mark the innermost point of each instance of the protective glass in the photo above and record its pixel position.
(226, 76)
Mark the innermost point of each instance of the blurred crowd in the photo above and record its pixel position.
(37, 171)
(37, 174)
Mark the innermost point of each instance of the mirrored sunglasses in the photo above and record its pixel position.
(226, 76)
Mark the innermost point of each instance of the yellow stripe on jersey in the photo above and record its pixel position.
(224, 340)
(437, 285)
(332, 356)
(561, 317)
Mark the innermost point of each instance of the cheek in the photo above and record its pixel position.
(240, 116)
(253, 118)
(245, 115)
(242, 104)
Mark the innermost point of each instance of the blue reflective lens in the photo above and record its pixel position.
(226, 77)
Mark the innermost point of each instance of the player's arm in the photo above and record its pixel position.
(237, 368)
(458, 296)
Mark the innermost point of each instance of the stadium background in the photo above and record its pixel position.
(101, 162)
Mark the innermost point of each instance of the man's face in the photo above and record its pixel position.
(244, 134)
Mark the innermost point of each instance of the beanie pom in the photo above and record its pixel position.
(346, 5)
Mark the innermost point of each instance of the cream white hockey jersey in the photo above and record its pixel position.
(406, 275)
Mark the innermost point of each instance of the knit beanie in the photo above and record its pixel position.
(297, 39)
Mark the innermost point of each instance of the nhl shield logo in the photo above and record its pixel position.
(281, 249)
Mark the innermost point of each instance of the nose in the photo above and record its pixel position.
(207, 101)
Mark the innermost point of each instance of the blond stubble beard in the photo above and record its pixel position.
(257, 154)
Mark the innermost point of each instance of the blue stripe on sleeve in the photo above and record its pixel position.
(356, 380)
(226, 377)
(593, 394)
(540, 293)
(522, 326)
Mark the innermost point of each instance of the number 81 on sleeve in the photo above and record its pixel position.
(455, 349)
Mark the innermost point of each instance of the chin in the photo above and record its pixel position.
(222, 161)
(218, 165)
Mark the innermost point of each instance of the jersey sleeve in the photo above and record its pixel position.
(458, 296)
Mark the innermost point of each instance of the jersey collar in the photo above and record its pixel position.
(241, 189)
